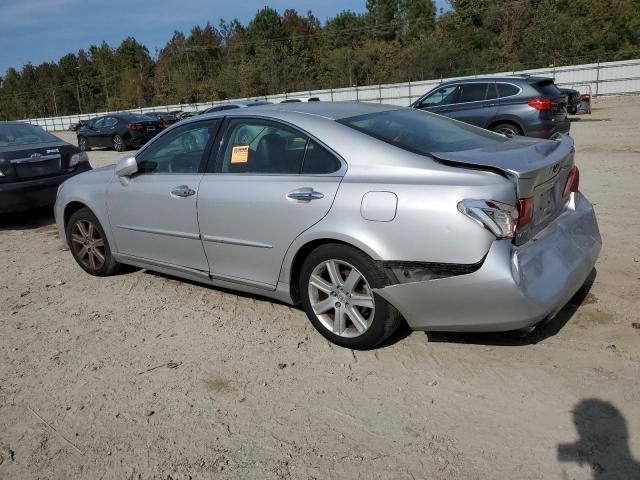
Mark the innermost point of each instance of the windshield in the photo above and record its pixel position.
(423, 132)
(23, 134)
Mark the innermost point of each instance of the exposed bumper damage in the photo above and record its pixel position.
(516, 287)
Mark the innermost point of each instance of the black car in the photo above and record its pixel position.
(33, 163)
(118, 131)
(515, 105)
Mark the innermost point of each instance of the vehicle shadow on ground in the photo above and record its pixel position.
(40, 217)
(543, 331)
(603, 445)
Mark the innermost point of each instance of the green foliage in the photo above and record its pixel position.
(393, 41)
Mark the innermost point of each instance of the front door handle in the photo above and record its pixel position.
(305, 195)
(182, 191)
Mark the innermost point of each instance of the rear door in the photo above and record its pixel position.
(269, 183)
(153, 217)
(476, 104)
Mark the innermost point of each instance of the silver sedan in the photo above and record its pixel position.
(365, 215)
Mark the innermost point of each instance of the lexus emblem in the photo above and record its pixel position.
(556, 167)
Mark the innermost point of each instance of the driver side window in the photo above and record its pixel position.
(442, 96)
(178, 151)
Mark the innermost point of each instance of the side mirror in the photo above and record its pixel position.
(125, 168)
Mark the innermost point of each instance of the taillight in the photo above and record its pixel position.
(542, 104)
(77, 159)
(134, 127)
(525, 211)
(499, 218)
(573, 182)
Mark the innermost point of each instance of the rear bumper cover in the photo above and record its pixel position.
(25, 195)
(516, 287)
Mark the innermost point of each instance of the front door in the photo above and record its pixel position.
(476, 104)
(154, 216)
(270, 183)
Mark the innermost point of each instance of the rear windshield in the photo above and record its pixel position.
(23, 134)
(548, 88)
(422, 132)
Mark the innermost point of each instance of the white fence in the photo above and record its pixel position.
(610, 78)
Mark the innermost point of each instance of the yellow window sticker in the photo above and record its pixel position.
(240, 154)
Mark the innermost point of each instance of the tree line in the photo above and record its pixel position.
(391, 41)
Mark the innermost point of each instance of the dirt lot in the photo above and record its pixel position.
(145, 376)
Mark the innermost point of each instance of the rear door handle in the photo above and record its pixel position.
(305, 194)
(182, 191)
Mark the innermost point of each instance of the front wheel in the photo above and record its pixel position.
(82, 144)
(89, 245)
(118, 144)
(336, 287)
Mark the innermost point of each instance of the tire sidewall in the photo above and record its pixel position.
(109, 264)
(122, 147)
(376, 279)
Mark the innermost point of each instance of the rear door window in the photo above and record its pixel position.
(256, 146)
(473, 92)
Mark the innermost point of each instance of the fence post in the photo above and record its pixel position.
(597, 78)
(410, 96)
(332, 94)
(357, 95)
(379, 93)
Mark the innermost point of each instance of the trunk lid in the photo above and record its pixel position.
(32, 161)
(538, 168)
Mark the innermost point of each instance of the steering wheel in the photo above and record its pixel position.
(182, 163)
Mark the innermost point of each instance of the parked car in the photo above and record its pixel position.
(33, 163)
(573, 99)
(300, 99)
(364, 214)
(234, 105)
(118, 131)
(516, 105)
(181, 116)
(166, 119)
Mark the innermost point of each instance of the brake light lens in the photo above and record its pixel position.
(499, 218)
(134, 127)
(525, 211)
(573, 182)
(77, 158)
(542, 104)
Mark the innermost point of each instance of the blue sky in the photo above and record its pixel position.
(37, 31)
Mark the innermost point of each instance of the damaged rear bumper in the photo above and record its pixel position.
(516, 287)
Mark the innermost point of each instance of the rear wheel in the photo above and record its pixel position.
(89, 245)
(336, 287)
(507, 129)
(118, 144)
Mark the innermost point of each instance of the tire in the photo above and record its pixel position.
(84, 231)
(82, 144)
(118, 143)
(361, 327)
(507, 129)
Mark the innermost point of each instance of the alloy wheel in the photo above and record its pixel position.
(341, 298)
(507, 131)
(88, 245)
(82, 143)
(117, 143)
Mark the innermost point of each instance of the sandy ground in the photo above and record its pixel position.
(145, 376)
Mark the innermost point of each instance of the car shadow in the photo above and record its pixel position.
(603, 445)
(39, 217)
(541, 332)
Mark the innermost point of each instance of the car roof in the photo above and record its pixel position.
(505, 78)
(327, 110)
